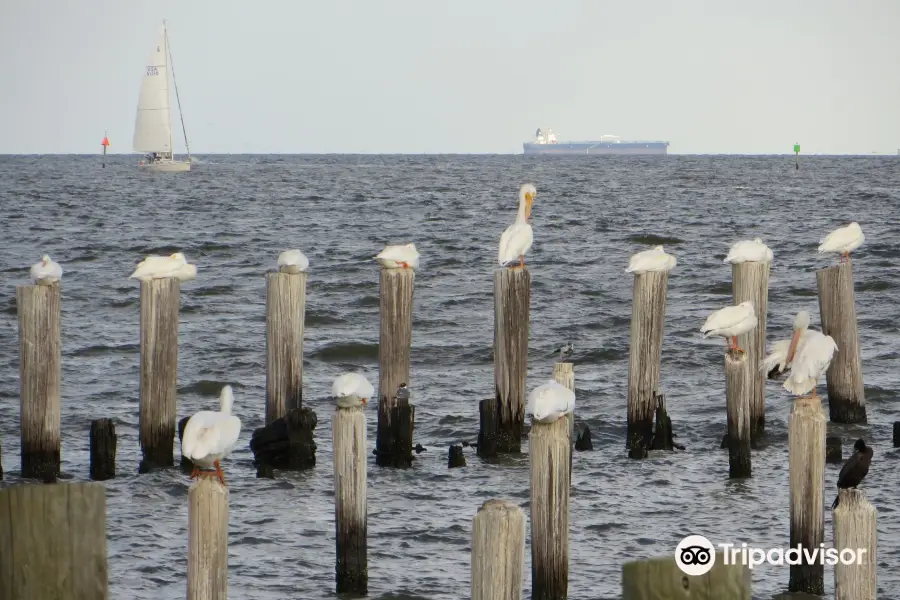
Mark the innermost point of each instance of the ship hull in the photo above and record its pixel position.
(598, 148)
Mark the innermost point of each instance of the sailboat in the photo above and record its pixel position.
(153, 124)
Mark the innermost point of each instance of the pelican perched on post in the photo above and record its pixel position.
(210, 436)
(45, 272)
(351, 389)
(843, 241)
(550, 401)
(731, 322)
(518, 237)
(749, 251)
(403, 256)
(783, 351)
(654, 259)
(160, 267)
(292, 261)
(810, 363)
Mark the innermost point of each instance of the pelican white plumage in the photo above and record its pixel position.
(516, 241)
(843, 241)
(749, 251)
(404, 256)
(159, 267)
(654, 259)
(550, 401)
(351, 389)
(810, 363)
(731, 322)
(210, 436)
(45, 272)
(292, 261)
(782, 352)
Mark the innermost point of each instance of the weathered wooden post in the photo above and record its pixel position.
(488, 427)
(512, 310)
(750, 281)
(854, 526)
(834, 450)
(738, 378)
(658, 578)
(395, 422)
(564, 374)
(285, 320)
(207, 540)
(39, 379)
(350, 500)
(837, 306)
(498, 551)
(644, 354)
(550, 479)
(286, 443)
(896, 437)
(160, 303)
(103, 449)
(806, 456)
(53, 540)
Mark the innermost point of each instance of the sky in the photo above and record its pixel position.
(460, 76)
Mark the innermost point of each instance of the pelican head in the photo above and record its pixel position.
(178, 256)
(801, 322)
(526, 194)
(45, 259)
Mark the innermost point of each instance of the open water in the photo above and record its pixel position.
(232, 215)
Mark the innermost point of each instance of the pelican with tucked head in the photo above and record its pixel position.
(518, 237)
(843, 241)
(46, 272)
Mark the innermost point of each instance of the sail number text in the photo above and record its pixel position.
(152, 71)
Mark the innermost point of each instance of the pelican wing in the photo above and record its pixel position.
(749, 251)
(514, 242)
(550, 401)
(40, 271)
(810, 362)
(293, 258)
(352, 384)
(842, 239)
(210, 433)
(726, 317)
(651, 260)
(157, 266)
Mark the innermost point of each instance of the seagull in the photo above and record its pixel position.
(843, 240)
(403, 392)
(351, 389)
(855, 469)
(46, 272)
(292, 261)
(565, 351)
(731, 322)
(210, 436)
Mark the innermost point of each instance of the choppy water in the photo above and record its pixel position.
(233, 214)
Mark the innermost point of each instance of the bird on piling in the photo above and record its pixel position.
(550, 401)
(45, 272)
(161, 267)
(855, 469)
(403, 256)
(810, 362)
(351, 389)
(292, 261)
(749, 251)
(730, 322)
(210, 436)
(516, 241)
(565, 351)
(403, 392)
(843, 241)
(783, 351)
(654, 259)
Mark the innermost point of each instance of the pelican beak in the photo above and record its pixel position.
(529, 199)
(364, 400)
(792, 349)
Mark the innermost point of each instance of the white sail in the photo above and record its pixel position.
(152, 126)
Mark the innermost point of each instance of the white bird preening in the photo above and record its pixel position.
(749, 251)
(516, 241)
(403, 256)
(654, 259)
(550, 401)
(843, 241)
(782, 352)
(160, 267)
(351, 389)
(45, 272)
(810, 363)
(210, 436)
(292, 261)
(731, 322)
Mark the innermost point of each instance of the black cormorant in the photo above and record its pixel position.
(855, 469)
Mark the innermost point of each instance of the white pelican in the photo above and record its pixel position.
(730, 322)
(550, 401)
(351, 389)
(210, 436)
(518, 237)
(749, 251)
(401, 256)
(292, 261)
(782, 352)
(159, 267)
(46, 272)
(654, 259)
(843, 240)
(810, 363)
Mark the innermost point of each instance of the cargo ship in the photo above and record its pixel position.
(545, 142)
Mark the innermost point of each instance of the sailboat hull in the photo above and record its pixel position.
(165, 166)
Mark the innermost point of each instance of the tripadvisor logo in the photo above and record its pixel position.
(695, 555)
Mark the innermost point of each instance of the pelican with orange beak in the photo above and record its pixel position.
(783, 352)
(518, 237)
(351, 389)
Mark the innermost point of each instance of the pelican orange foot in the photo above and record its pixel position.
(220, 474)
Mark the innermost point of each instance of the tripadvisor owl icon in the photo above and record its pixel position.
(695, 555)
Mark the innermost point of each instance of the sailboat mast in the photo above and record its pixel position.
(177, 99)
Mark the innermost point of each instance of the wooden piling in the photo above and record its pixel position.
(160, 300)
(39, 379)
(455, 457)
(564, 374)
(806, 456)
(550, 478)
(498, 551)
(750, 281)
(660, 578)
(837, 306)
(834, 451)
(512, 310)
(395, 340)
(488, 427)
(53, 541)
(647, 322)
(286, 443)
(207, 569)
(854, 527)
(350, 504)
(738, 378)
(103, 449)
(285, 320)
(896, 439)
